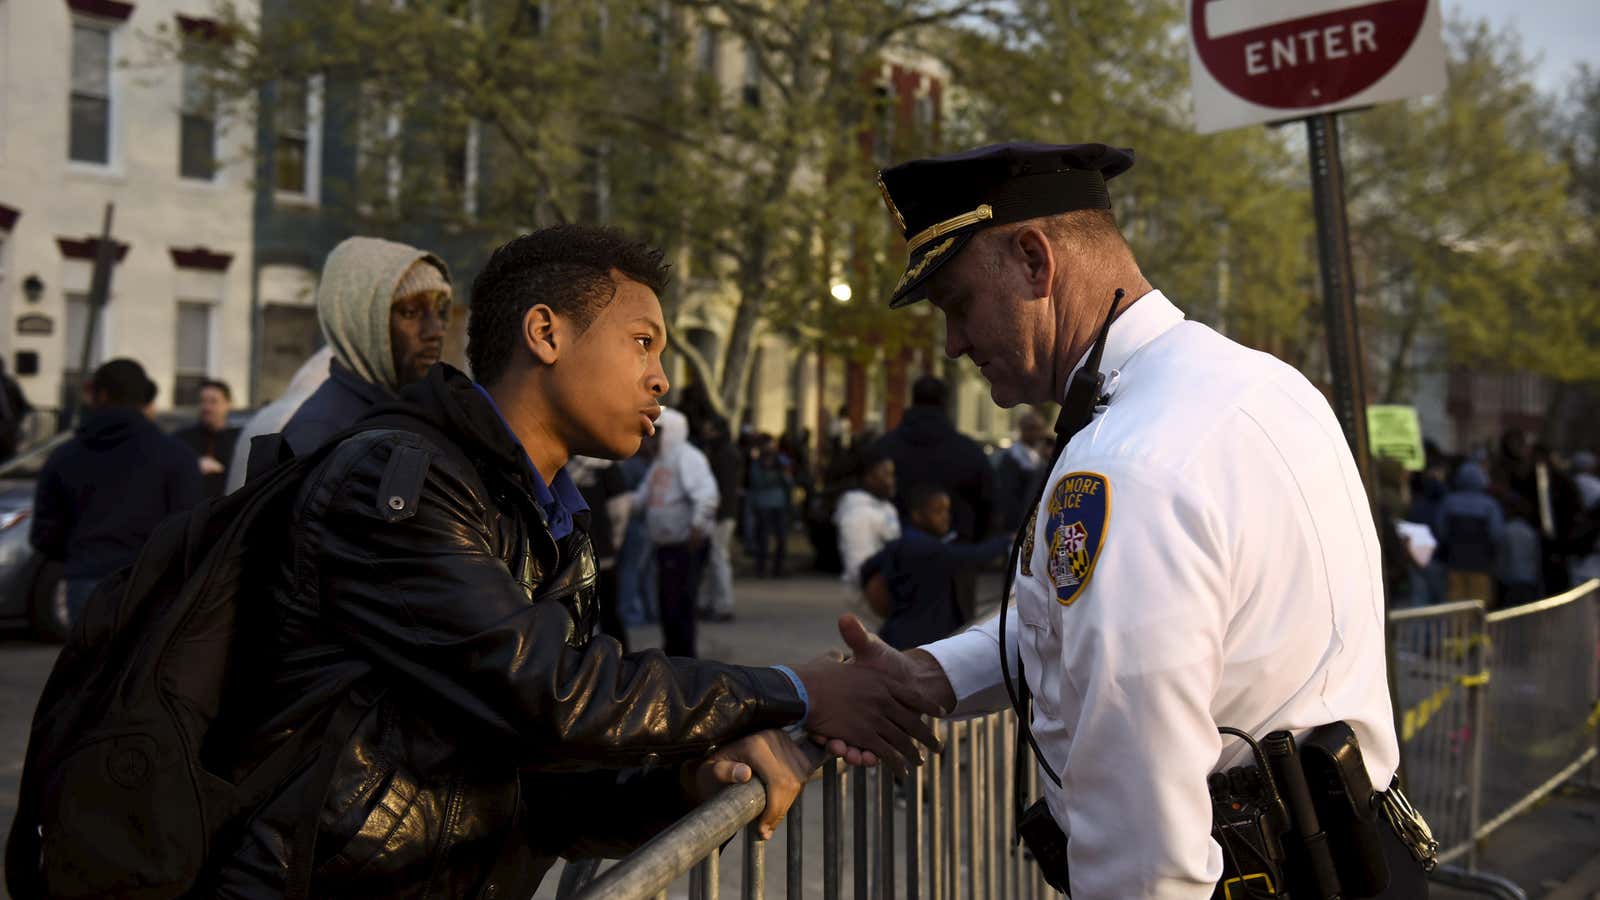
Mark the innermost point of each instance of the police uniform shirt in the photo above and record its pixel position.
(1204, 555)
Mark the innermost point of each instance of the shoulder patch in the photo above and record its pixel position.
(1079, 506)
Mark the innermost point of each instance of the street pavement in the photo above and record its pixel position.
(794, 619)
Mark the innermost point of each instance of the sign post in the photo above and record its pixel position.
(1338, 289)
(105, 259)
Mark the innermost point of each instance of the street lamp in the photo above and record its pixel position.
(32, 288)
(840, 292)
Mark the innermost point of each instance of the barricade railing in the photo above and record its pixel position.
(943, 832)
(1496, 711)
(1542, 707)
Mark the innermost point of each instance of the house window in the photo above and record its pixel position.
(89, 137)
(752, 74)
(922, 111)
(460, 157)
(192, 359)
(529, 21)
(378, 142)
(295, 144)
(705, 54)
(197, 151)
(883, 136)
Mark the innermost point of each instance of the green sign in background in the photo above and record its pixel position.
(1395, 432)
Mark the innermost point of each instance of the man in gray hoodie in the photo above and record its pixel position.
(679, 496)
(384, 308)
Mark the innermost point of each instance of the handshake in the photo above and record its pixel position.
(866, 709)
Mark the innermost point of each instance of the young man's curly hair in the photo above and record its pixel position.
(567, 268)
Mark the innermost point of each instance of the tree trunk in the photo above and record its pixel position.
(1398, 377)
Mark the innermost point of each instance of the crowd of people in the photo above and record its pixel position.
(1506, 526)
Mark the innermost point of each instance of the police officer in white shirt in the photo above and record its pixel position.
(1203, 555)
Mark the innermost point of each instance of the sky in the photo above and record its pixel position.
(1560, 33)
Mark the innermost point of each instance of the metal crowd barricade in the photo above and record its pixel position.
(1539, 730)
(1497, 710)
(944, 832)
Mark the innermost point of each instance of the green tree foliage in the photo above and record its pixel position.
(1459, 215)
(639, 112)
(631, 111)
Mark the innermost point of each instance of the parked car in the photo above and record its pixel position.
(32, 594)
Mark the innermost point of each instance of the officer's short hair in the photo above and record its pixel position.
(1078, 228)
(929, 391)
(122, 383)
(565, 267)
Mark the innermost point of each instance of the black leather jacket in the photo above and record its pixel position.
(497, 731)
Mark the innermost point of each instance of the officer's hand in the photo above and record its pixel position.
(917, 670)
(770, 756)
(868, 704)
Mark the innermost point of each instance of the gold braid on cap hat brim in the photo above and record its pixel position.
(933, 232)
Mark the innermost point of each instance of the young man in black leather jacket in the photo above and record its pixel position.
(440, 583)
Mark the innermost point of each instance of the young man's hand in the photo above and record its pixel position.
(873, 705)
(770, 756)
(916, 670)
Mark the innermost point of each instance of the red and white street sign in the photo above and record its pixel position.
(1268, 60)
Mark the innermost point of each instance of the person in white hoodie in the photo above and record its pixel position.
(866, 517)
(679, 496)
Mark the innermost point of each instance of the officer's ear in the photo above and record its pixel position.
(1038, 257)
(541, 333)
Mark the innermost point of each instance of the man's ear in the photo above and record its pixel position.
(1038, 258)
(540, 336)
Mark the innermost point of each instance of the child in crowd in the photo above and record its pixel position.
(911, 582)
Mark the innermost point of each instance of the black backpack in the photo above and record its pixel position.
(115, 800)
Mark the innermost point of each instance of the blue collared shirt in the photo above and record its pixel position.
(560, 499)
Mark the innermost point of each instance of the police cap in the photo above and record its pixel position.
(941, 202)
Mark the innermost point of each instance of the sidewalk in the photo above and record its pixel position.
(1549, 852)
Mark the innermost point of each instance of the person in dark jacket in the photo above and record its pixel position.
(1022, 466)
(102, 493)
(439, 581)
(927, 449)
(770, 484)
(1469, 525)
(384, 308)
(14, 410)
(211, 438)
(912, 581)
